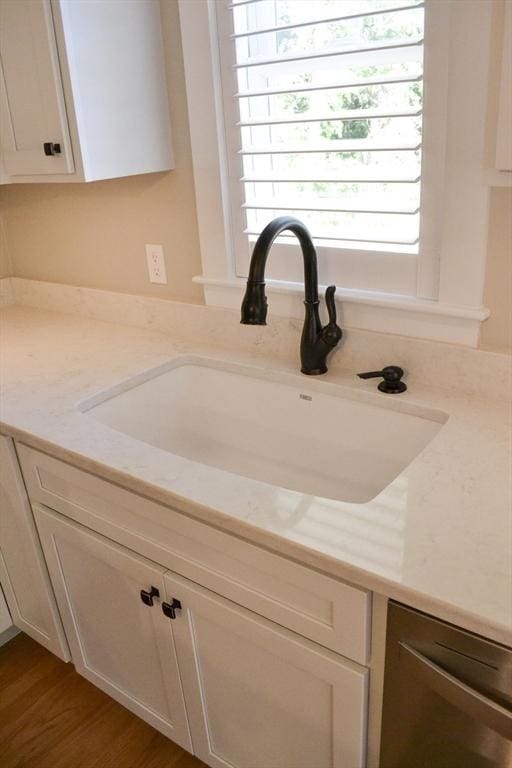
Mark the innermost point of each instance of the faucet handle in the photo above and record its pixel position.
(331, 333)
(330, 303)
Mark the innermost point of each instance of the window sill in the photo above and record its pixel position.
(386, 313)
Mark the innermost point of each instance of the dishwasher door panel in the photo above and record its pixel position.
(447, 696)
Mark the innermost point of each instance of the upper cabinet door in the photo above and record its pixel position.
(32, 108)
(260, 696)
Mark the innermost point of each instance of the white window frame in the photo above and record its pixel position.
(455, 193)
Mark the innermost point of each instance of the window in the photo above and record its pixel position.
(323, 115)
(367, 120)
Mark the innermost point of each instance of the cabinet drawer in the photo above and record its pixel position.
(321, 608)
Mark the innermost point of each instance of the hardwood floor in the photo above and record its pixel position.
(50, 717)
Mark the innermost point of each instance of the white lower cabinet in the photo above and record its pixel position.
(5, 616)
(23, 574)
(233, 687)
(119, 643)
(259, 696)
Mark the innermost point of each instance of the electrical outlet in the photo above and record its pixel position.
(156, 263)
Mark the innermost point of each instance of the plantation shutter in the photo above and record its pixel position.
(323, 120)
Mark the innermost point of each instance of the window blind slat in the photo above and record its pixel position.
(364, 145)
(363, 114)
(361, 83)
(332, 178)
(231, 6)
(331, 53)
(276, 205)
(331, 20)
(363, 238)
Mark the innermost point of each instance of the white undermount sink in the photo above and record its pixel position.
(294, 432)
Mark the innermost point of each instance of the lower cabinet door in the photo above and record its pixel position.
(23, 574)
(5, 616)
(120, 643)
(259, 696)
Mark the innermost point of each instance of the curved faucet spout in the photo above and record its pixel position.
(316, 341)
(264, 244)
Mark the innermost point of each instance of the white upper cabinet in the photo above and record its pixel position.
(83, 94)
(34, 111)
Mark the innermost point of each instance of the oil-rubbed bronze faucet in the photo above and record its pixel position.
(316, 341)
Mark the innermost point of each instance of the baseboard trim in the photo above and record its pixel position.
(8, 634)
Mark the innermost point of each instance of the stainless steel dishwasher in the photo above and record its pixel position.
(447, 696)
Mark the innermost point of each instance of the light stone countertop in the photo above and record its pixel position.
(438, 538)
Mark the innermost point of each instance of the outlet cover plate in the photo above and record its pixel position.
(156, 263)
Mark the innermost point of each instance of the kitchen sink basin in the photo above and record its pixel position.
(306, 435)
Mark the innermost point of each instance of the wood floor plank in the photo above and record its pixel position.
(56, 714)
(50, 717)
(30, 702)
(36, 662)
(140, 745)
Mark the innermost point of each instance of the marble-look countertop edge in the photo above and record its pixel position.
(273, 542)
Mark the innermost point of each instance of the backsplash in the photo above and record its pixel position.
(474, 372)
(6, 291)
